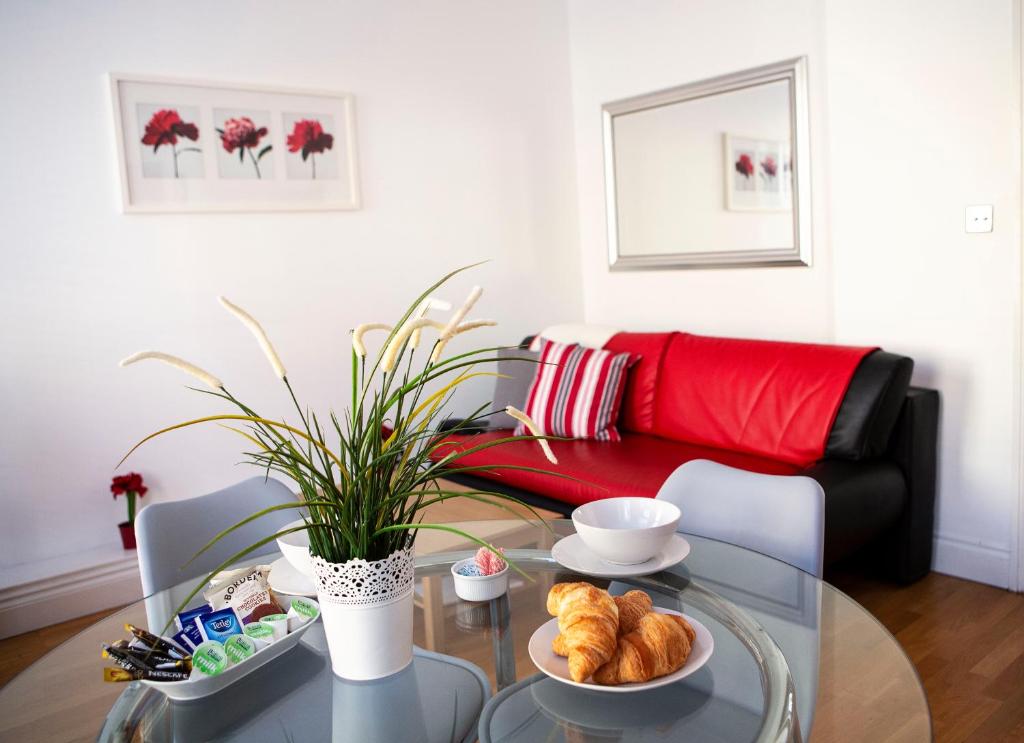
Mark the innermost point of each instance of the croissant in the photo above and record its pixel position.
(659, 645)
(632, 606)
(589, 621)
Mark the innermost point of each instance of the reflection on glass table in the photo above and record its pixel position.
(791, 654)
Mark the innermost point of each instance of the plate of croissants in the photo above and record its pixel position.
(616, 643)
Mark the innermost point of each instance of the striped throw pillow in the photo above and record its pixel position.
(577, 391)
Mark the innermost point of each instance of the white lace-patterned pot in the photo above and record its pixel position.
(367, 614)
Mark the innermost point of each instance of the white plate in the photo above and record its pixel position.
(557, 667)
(572, 553)
(199, 687)
(284, 578)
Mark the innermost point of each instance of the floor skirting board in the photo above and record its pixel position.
(57, 598)
(965, 559)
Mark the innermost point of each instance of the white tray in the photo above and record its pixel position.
(199, 687)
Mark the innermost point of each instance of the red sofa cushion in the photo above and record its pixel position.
(642, 381)
(635, 466)
(766, 398)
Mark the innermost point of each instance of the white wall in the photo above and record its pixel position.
(465, 141)
(619, 50)
(914, 114)
(923, 120)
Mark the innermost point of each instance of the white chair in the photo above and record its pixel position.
(779, 516)
(169, 534)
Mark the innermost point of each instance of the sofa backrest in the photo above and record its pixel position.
(772, 399)
(871, 406)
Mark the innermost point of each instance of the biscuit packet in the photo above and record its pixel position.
(247, 591)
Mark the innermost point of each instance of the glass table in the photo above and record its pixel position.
(794, 659)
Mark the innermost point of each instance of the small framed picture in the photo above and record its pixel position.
(758, 174)
(194, 146)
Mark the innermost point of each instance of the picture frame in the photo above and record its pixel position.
(758, 174)
(718, 248)
(186, 145)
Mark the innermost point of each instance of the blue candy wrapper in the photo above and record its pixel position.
(219, 625)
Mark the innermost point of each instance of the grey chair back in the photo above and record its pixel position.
(169, 534)
(781, 516)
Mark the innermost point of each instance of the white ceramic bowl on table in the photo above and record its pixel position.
(295, 547)
(626, 531)
(479, 587)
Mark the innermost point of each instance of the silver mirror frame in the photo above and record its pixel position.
(793, 71)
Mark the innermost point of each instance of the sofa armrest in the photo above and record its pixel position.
(913, 445)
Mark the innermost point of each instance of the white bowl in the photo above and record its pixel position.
(626, 531)
(479, 587)
(295, 547)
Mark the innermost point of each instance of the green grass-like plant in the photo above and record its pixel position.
(365, 479)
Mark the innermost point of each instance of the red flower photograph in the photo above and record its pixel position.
(164, 128)
(745, 165)
(243, 135)
(309, 138)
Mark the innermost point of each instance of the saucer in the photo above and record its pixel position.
(284, 578)
(572, 553)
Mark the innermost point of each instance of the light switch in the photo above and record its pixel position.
(978, 218)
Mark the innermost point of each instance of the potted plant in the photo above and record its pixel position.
(366, 476)
(130, 486)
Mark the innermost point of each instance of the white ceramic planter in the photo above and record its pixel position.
(367, 614)
(479, 587)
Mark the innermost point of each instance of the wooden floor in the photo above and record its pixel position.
(966, 640)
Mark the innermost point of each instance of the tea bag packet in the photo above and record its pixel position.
(186, 621)
(247, 591)
(301, 611)
(219, 625)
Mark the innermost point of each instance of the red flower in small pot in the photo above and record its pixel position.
(309, 137)
(769, 166)
(164, 127)
(745, 166)
(130, 486)
(243, 135)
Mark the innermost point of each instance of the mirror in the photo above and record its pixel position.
(711, 174)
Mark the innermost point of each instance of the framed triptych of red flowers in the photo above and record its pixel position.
(187, 146)
(759, 175)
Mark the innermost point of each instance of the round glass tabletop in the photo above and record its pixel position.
(794, 659)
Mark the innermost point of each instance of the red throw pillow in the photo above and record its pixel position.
(577, 392)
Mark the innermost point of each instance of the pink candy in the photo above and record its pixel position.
(488, 562)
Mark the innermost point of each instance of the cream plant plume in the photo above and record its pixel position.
(357, 335)
(365, 476)
(201, 374)
(261, 336)
(453, 324)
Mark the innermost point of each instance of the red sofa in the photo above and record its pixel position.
(845, 416)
